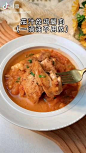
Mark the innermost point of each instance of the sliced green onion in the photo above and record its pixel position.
(26, 56)
(31, 54)
(30, 61)
(19, 78)
(32, 73)
(27, 67)
(17, 81)
(53, 63)
(42, 76)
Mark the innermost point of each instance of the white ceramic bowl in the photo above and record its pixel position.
(50, 120)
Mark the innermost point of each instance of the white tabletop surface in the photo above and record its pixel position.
(14, 139)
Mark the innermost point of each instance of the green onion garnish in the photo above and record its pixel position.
(32, 73)
(27, 67)
(30, 60)
(42, 76)
(31, 54)
(19, 78)
(26, 56)
(17, 81)
(53, 63)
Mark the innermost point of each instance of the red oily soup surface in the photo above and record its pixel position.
(45, 104)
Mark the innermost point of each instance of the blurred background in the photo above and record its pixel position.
(10, 2)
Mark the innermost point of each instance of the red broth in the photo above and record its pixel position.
(45, 104)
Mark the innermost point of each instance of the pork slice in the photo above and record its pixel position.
(49, 66)
(32, 90)
(56, 83)
(19, 66)
(43, 79)
(42, 56)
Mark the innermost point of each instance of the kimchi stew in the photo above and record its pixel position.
(31, 80)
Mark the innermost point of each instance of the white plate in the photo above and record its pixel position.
(51, 120)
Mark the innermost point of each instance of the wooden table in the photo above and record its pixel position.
(71, 139)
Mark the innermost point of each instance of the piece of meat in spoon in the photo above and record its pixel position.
(32, 90)
(42, 56)
(51, 84)
(49, 66)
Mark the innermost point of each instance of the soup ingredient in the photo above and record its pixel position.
(31, 89)
(50, 87)
(30, 60)
(42, 56)
(27, 67)
(32, 74)
(42, 76)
